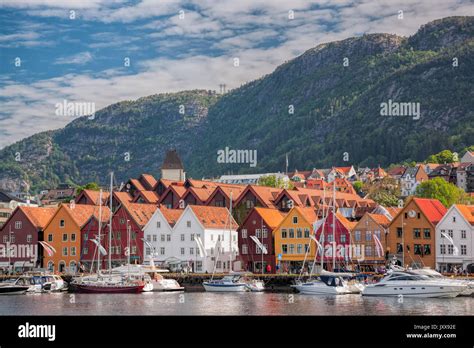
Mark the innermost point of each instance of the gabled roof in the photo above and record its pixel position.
(150, 197)
(172, 161)
(393, 211)
(38, 216)
(410, 171)
(308, 213)
(467, 212)
(264, 194)
(123, 197)
(140, 213)
(226, 190)
(213, 217)
(395, 171)
(149, 180)
(432, 209)
(93, 196)
(171, 215)
(349, 225)
(272, 217)
(343, 170)
(138, 185)
(200, 193)
(179, 191)
(200, 183)
(81, 213)
(380, 219)
(6, 197)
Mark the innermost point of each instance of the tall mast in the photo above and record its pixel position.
(230, 232)
(110, 222)
(333, 224)
(100, 228)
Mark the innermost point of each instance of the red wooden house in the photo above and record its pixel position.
(260, 222)
(90, 230)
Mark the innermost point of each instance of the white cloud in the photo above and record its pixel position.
(79, 58)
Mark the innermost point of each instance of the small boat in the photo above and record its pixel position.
(324, 285)
(255, 285)
(230, 283)
(101, 287)
(351, 282)
(163, 284)
(407, 284)
(12, 288)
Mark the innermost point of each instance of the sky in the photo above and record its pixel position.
(106, 51)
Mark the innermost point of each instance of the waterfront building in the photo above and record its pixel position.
(20, 235)
(369, 254)
(217, 232)
(158, 233)
(63, 233)
(411, 235)
(172, 167)
(89, 232)
(261, 223)
(456, 225)
(292, 239)
(222, 195)
(128, 220)
(334, 234)
(254, 196)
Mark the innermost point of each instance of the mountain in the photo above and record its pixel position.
(337, 113)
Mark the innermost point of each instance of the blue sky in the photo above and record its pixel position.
(82, 59)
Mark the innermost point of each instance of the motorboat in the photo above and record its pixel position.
(255, 285)
(351, 282)
(323, 285)
(150, 276)
(431, 273)
(163, 284)
(13, 287)
(407, 284)
(229, 283)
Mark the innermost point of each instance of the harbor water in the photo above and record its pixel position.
(246, 303)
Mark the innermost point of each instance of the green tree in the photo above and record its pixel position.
(357, 185)
(438, 188)
(445, 156)
(89, 186)
(273, 181)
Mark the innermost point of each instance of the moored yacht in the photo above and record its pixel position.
(324, 285)
(397, 283)
(12, 287)
(431, 273)
(229, 283)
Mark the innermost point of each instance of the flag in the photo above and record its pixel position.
(101, 248)
(448, 237)
(48, 248)
(200, 245)
(378, 244)
(259, 244)
(320, 247)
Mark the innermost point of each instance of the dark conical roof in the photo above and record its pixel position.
(172, 161)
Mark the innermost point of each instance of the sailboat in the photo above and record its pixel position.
(231, 282)
(102, 283)
(328, 283)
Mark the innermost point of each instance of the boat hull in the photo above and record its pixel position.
(13, 290)
(320, 289)
(224, 287)
(100, 289)
(425, 291)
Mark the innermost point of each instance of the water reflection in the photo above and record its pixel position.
(202, 303)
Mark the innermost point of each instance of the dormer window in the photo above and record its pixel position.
(62, 223)
(295, 219)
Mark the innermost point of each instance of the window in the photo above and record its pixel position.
(406, 215)
(264, 233)
(284, 249)
(73, 251)
(17, 225)
(426, 233)
(295, 219)
(368, 250)
(399, 232)
(119, 235)
(188, 224)
(154, 237)
(218, 264)
(416, 233)
(299, 249)
(244, 232)
(182, 237)
(191, 251)
(64, 251)
(249, 204)
(292, 248)
(158, 224)
(134, 249)
(134, 235)
(450, 233)
(454, 219)
(197, 252)
(244, 249)
(442, 249)
(29, 238)
(258, 233)
(162, 251)
(147, 251)
(463, 234)
(162, 237)
(212, 251)
(377, 233)
(148, 237)
(427, 249)
(399, 248)
(50, 237)
(62, 223)
(306, 232)
(343, 238)
(122, 221)
(306, 248)
(73, 237)
(12, 238)
(64, 237)
(86, 250)
(182, 251)
(257, 249)
(330, 237)
(450, 249)
(199, 266)
(291, 233)
(442, 235)
(368, 236)
(357, 236)
(85, 236)
(192, 236)
(112, 250)
(284, 234)
(299, 233)
(463, 249)
(5, 239)
(168, 237)
(118, 249)
(417, 249)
